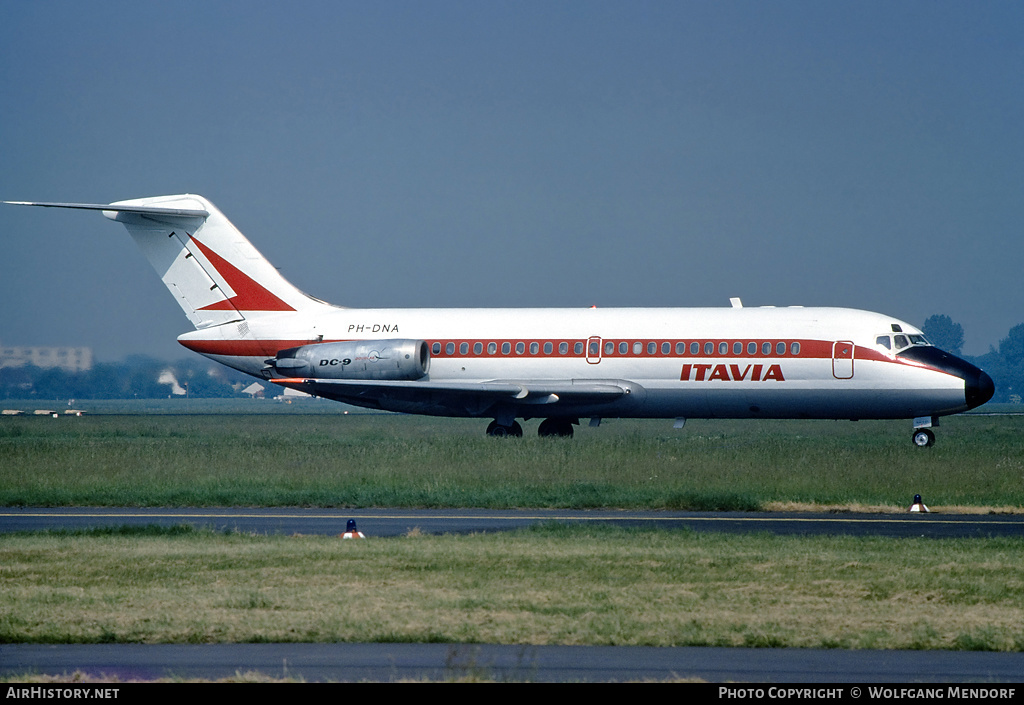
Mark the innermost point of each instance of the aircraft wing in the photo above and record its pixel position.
(473, 396)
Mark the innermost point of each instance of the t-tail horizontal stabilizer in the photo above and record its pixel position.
(115, 208)
(211, 269)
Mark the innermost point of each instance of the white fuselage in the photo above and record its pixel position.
(710, 362)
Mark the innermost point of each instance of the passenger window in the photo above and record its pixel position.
(680, 348)
(652, 348)
(463, 348)
(751, 348)
(609, 348)
(478, 348)
(666, 348)
(563, 348)
(723, 348)
(534, 347)
(780, 348)
(547, 348)
(578, 347)
(794, 349)
(623, 348)
(435, 348)
(450, 348)
(737, 348)
(638, 348)
(492, 348)
(766, 348)
(506, 348)
(709, 348)
(593, 349)
(694, 348)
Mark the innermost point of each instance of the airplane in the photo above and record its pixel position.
(558, 364)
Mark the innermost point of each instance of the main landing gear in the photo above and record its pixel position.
(556, 427)
(497, 430)
(559, 427)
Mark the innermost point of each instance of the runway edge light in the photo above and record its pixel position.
(918, 505)
(351, 532)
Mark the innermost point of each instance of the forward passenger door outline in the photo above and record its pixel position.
(842, 359)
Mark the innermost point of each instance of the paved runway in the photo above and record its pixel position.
(383, 662)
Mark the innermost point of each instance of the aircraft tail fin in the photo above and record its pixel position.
(213, 271)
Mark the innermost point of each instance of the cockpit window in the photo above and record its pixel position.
(900, 342)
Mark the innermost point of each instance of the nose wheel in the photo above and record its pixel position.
(923, 438)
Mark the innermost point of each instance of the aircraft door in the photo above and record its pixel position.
(594, 349)
(842, 359)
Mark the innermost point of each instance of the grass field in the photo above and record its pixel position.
(550, 585)
(547, 585)
(392, 460)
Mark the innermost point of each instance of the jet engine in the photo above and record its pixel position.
(355, 359)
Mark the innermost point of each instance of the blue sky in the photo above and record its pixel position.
(861, 154)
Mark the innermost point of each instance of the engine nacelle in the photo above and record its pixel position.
(355, 359)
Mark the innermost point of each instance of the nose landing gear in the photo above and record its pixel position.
(923, 437)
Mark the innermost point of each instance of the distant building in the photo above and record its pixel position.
(70, 359)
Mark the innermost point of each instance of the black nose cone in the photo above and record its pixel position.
(979, 388)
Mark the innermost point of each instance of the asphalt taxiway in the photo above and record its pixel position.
(548, 664)
(394, 522)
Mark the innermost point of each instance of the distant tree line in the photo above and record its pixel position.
(1004, 364)
(137, 377)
